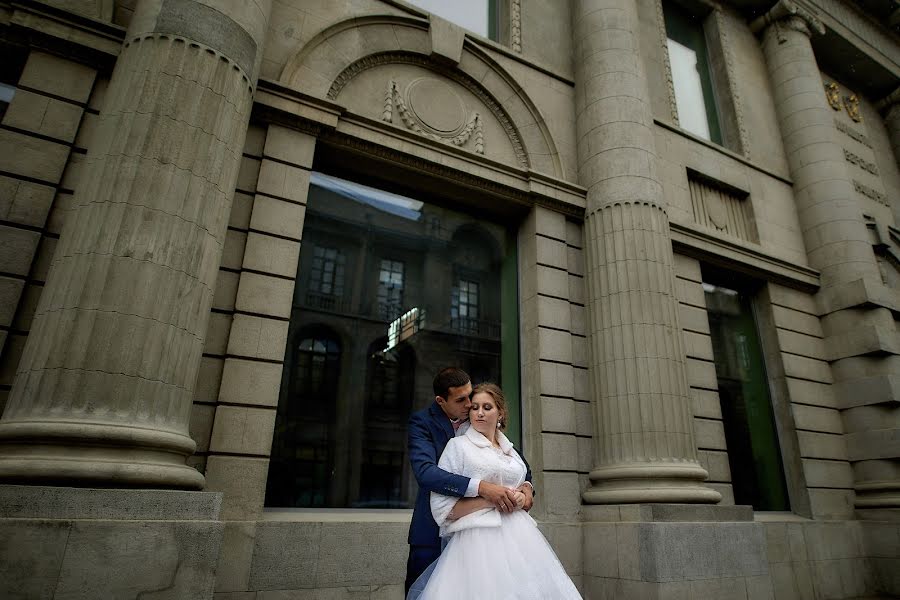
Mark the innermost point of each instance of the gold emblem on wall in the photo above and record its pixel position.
(851, 103)
(833, 94)
(432, 108)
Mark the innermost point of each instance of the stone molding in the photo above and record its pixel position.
(724, 22)
(860, 26)
(789, 14)
(667, 65)
(401, 57)
(414, 122)
(68, 28)
(195, 45)
(515, 25)
(712, 247)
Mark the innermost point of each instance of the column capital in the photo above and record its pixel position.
(789, 14)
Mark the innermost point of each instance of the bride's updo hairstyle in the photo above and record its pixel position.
(499, 400)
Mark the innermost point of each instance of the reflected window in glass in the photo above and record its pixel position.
(389, 290)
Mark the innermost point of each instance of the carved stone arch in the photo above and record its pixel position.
(337, 56)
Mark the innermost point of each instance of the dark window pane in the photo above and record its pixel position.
(389, 290)
(754, 454)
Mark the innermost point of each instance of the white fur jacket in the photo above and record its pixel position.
(471, 454)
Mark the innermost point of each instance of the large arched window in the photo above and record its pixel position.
(303, 447)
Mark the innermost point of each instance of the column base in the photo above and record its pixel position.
(101, 543)
(650, 482)
(91, 454)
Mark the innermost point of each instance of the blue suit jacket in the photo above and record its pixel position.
(428, 433)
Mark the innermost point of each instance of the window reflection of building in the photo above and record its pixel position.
(414, 287)
(302, 449)
(390, 289)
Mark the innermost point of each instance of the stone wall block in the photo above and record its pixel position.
(364, 553)
(209, 379)
(17, 248)
(251, 383)
(242, 480)
(551, 252)
(271, 215)
(558, 415)
(272, 255)
(283, 181)
(560, 452)
(202, 417)
(257, 337)
(556, 379)
(37, 158)
(285, 555)
(44, 116)
(225, 291)
(235, 557)
(24, 202)
(10, 292)
(265, 295)
(243, 430)
(58, 76)
(289, 146)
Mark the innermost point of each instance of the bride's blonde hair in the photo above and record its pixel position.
(494, 391)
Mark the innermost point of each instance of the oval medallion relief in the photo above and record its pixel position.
(436, 105)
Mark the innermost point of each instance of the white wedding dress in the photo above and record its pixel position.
(488, 554)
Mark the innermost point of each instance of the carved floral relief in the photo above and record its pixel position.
(432, 108)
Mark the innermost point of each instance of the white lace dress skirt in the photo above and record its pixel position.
(513, 561)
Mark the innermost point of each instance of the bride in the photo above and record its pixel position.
(489, 554)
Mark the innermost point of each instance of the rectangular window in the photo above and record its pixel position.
(689, 61)
(754, 453)
(326, 278)
(464, 307)
(355, 371)
(478, 16)
(390, 289)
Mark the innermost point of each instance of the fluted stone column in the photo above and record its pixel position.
(861, 340)
(103, 392)
(644, 449)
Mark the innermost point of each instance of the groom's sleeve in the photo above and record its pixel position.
(423, 458)
(527, 473)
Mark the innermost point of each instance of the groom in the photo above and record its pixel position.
(429, 431)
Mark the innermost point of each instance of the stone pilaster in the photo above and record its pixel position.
(890, 107)
(103, 391)
(859, 329)
(644, 448)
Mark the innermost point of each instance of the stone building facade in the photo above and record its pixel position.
(238, 237)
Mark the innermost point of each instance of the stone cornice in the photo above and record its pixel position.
(859, 28)
(746, 257)
(788, 12)
(67, 28)
(332, 123)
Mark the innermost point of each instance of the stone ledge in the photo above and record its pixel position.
(666, 513)
(45, 502)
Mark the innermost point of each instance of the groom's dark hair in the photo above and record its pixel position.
(447, 378)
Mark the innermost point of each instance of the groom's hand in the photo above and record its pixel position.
(503, 498)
